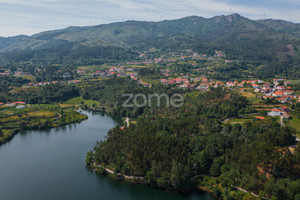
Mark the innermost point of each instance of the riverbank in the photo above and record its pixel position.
(52, 162)
(104, 171)
(36, 117)
(118, 176)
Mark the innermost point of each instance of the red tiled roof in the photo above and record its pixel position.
(18, 102)
(276, 110)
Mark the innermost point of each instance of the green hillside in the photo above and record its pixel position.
(271, 43)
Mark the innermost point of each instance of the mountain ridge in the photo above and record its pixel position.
(109, 34)
(270, 43)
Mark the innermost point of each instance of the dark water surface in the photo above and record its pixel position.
(50, 165)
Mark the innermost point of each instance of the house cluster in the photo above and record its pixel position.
(4, 73)
(54, 82)
(282, 93)
(279, 90)
(117, 71)
(19, 72)
(18, 104)
(81, 72)
(282, 111)
(145, 84)
(199, 83)
(171, 57)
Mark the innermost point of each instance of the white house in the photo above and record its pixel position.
(20, 107)
(275, 112)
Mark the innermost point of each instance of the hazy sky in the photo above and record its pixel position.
(33, 16)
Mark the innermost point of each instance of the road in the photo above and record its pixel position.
(127, 121)
(281, 121)
(125, 176)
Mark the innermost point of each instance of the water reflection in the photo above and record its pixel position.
(49, 164)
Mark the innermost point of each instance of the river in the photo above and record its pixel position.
(50, 165)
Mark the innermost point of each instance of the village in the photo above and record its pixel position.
(276, 91)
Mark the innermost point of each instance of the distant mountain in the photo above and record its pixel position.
(282, 26)
(261, 41)
(138, 34)
(6, 42)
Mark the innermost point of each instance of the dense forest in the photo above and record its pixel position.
(186, 147)
(174, 148)
(38, 95)
(181, 148)
(109, 92)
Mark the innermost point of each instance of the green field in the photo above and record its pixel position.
(241, 119)
(38, 116)
(294, 123)
(251, 97)
(237, 120)
(139, 66)
(80, 100)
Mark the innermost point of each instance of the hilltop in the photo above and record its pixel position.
(274, 43)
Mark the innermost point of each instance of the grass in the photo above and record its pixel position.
(238, 120)
(39, 116)
(139, 66)
(151, 81)
(253, 100)
(79, 100)
(24, 89)
(294, 81)
(66, 105)
(75, 100)
(250, 96)
(91, 102)
(6, 132)
(44, 106)
(11, 118)
(241, 119)
(294, 123)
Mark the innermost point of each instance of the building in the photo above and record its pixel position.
(255, 85)
(260, 117)
(288, 92)
(21, 107)
(66, 75)
(145, 84)
(257, 90)
(284, 108)
(280, 88)
(275, 112)
(19, 103)
(286, 116)
(230, 84)
(278, 94)
(282, 100)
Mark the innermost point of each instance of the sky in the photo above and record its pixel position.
(27, 17)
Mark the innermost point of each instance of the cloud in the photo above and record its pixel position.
(32, 16)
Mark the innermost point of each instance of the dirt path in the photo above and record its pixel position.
(125, 176)
(238, 116)
(251, 193)
(127, 121)
(281, 121)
